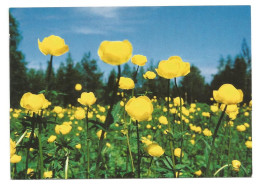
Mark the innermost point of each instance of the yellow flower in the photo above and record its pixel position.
(198, 129)
(146, 141)
(53, 45)
(34, 102)
(78, 146)
(177, 152)
(228, 94)
(122, 103)
(176, 101)
(12, 147)
(52, 138)
(62, 129)
(149, 75)
(155, 150)
(99, 134)
(178, 174)
(108, 145)
(198, 173)
(60, 115)
(47, 174)
(207, 132)
(115, 52)
(148, 126)
(192, 141)
(87, 98)
(78, 87)
(163, 120)
(173, 67)
(139, 60)
(248, 144)
(57, 109)
(80, 128)
(246, 125)
(236, 165)
(30, 171)
(80, 114)
(15, 158)
(246, 114)
(214, 108)
(126, 83)
(102, 118)
(139, 108)
(206, 114)
(241, 128)
(102, 109)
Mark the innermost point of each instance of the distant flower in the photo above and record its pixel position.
(198, 173)
(139, 60)
(248, 144)
(57, 109)
(177, 152)
(47, 174)
(87, 98)
(15, 158)
(155, 150)
(241, 128)
(99, 134)
(80, 114)
(236, 165)
(115, 52)
(52, 138)
(207, 132)
(78, 87)
(78, 146)
(163, 120)
(126, 83)
(62, 129)
(149, 75)
(176, 101)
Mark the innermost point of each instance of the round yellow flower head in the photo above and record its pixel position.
(53, 45)
(198, 173)
(236, 165)
(52, 138)
(47, 174)
(80, 114)
(108, 145)
(34, 102)
(12, 147)
(78, 146)
(248, 144)
(163, 120)
(80, 128)
(126, 83)
(62, 129)
(246, 114)
(241, 128)
(155, 150)
(228, 94)
(206, 114)
(15, 158)
(99, 134)
(78, 87)
(139, 60)
(173, 67)
(214, 108)
(115, 52)
(246, 125)
(192, 141)
(207, 132)
(148, 126)
(87, 98)
(149, 75)
(177, 152)
(30, 171)
(122, 103)
(102, 109)
(102, 118)
(176, 101)
(57, 109)
(140, 108)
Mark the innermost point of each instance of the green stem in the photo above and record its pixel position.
(40, 151)
(213, 141)
(138, 151)
(48, 75)
(88, 139)
(229, 147)
(28, 149)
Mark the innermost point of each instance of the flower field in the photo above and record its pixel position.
(135, 135)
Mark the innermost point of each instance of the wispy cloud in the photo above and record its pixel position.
(105, 12)
(87, 30)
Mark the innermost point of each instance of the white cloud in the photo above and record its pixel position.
(87, 30)
(105, 12)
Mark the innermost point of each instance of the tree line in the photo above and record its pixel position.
(193, 87)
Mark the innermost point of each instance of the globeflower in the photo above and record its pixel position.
(52, 138)
(34, 102)
(177, 152)
(214, 108)
(115, 52)
(78, 146)
(12, 147)
(207, 132)
(99, 134)
(228, 95)
(241, 128)
(149, 75)
(80, 114)
(140, 108)
(236, 165)
(57, 109)
(139, 60)
(163, 120)
(47, 174)
(15, 158)
(87, 98)
(155, 150)
(176, 101)
(126, 83)
(198, 173)
(78, 87)
(63, 129)
(53, 45)
(173, 67)
(248, 144)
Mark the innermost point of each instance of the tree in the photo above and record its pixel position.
(110, 86)
(18, 78)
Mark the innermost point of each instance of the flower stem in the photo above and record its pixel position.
(40, 151)
(88, 139)
(48, 75)
(169, 127)
(28, 148)
(138, 150)
(213, 140)
(66, 166)
(229, 147)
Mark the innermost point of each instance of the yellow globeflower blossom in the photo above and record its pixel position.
(78, 87)
(139, 60)
(115, 52)
(192, 141)
(62, 129)
(148, 126)
(34, 102)
(176, 101)
(53, 45)
(163, 120)
(236, 165)
(15, 158)
(246, 125)
(149, 75)
(57, 109)
(52, 138)
(126, 83)
(30, 171)
(177, 152)
(248, 144)
(12, 147)
(139, 108)
(80, 114)
(102, 118)
(102, 109)
(214, 108)
(146, 141)
(87, 98)
(78, 146)
(241, 128)
(246, 114)
(47, 174)
(206, 114)
(155, 150)
(228, 95)
(122, 103)
(198, 173)
(207, 132)
(173, 67)
(99, 134)
(108, 145)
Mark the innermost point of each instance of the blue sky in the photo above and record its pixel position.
(198, 34)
